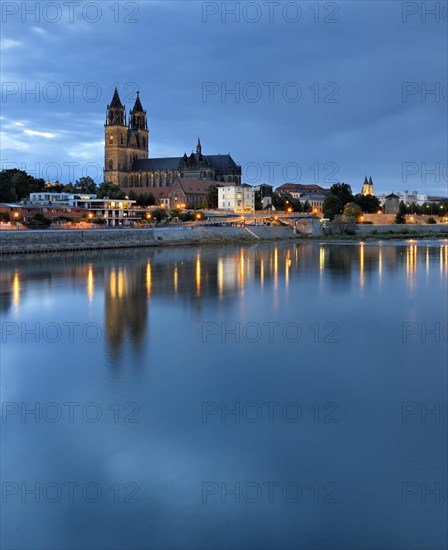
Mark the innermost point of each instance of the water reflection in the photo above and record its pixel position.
(127, 279)
(350, 302)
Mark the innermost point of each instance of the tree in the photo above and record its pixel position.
(306, 207)
(344, 224)
(368, 203)
(110, 190)
(343, 191)
(401, 214)
(258, 201)
(352, 210)
(16, 185)
(278, 201)
(86, 185)
(212, 196)
(332, 206)
(159, 214)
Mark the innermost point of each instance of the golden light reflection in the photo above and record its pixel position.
(321, 259)
(380, 263)
(198, 274)
(241, 270)
(16, 289)
(121, 284)
(176, 278)
(112, 284)
(287, 266)
(90, 283)
(148, 278)
(275, 267)
(262, 272)
(427, 260)
(361, 264)
(220, 276)
(411, 263)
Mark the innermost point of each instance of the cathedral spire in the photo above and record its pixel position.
(198, 147)
(115, 111)
(137, 105)
(138, 116)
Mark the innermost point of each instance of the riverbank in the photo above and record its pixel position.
(25, 242)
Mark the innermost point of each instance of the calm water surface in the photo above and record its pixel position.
(242, 397)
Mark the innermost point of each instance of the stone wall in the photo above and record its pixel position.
(12, 242)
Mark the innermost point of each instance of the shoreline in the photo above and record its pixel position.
(47, 241)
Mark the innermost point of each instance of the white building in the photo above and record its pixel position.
(113, 212)
(236, 198)
(59, 198)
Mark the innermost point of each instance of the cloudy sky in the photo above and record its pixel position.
(295, 91)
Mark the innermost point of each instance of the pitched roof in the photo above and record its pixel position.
(392, 196)
(137, 105)
(175, 163)
(305, 188)
(168, 163)
(195, 186)
(116, 102)
(157, 192)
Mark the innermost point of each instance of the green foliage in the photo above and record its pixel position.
(400, 218)
(107, 189)
(431, 220)
(306, 206)
(16, 185)
(143, 199)
(368, 203)
(343, 191)
(278, 201)
(345, 225)
(41, 219)
(352, 210)
(86, 185)
(332, 206)
(258, 201)
(212, 196)
(159, 214)
(5, 217)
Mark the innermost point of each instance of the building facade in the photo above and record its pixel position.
(236, 198)
(126, 155)
(297, 190)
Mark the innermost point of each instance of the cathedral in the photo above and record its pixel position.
(367, 187)
(127, 163)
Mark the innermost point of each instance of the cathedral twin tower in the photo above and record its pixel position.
(124, 143)
(127, 163)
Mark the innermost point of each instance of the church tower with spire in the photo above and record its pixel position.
(124, 143)
(138, 135)
(367, 188)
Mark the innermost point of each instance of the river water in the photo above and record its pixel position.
(269, 396)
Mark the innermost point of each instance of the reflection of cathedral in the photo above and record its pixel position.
(127, 161)
(125, 305)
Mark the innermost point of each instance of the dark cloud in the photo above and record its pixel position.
(350, 74)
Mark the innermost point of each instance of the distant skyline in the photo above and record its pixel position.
(335, 93)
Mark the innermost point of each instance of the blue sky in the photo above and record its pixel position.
(320, 95)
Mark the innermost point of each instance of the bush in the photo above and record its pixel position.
(5, 217)
(41, 219)
(431, 220)
(344, 225)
